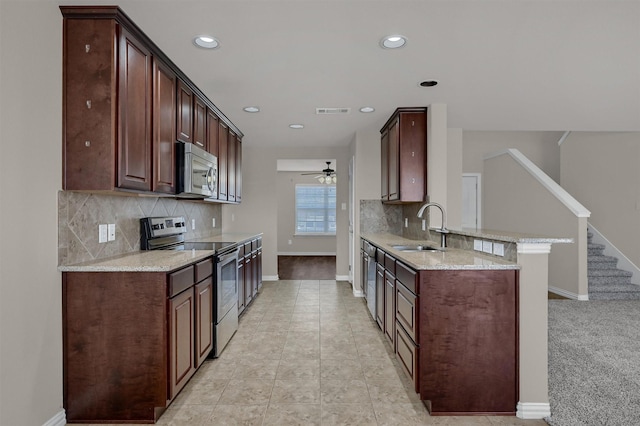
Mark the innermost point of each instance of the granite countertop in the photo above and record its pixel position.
(155, 260)
(507, 236)
(451, 258)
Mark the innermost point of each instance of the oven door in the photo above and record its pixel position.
(226, 283)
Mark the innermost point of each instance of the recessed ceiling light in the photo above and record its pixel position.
(251, 109)
(296, 126)
(206, 42)
(428, 83)
(367, 109)
(393, 41)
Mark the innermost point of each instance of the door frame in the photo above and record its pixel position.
(478, 177)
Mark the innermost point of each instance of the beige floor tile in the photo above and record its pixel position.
(247, 368)
(268, 326)
(232, 415)
(306, 316)
(348, 415)
(292, 369)
(247, 392)
(300, 391)
(337, 338)
(186, 415)
(301, 352)
(402, 414)
(201, 393)
(344, 391)
(215, 369)
(305, 326)
(390, 391)
(338, 351)
(340, 369)
(292, 414)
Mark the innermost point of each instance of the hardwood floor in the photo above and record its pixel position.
(307, 267)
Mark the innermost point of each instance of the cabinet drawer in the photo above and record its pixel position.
(380, 257)
(204, 269)
(407, 354)
(247, 248)
(180, 280)
(390, 264)
(254, 245)
(406, 303)
(240, 251)
(406, 276)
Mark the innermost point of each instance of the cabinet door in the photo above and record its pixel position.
(134, 115)
(204, 320)
(240, 286)
(407, 353)
(231, 166)
(254, 273)
(259, 268)
(412, 156)
(248, 280)
(223, 135)
(184, 118)
(389, 307)
(380, 296)
(384, 166)
(212, 132)
(199, 123)
(394, 169)
(406, 310)
(164, 128)
(238, 170)
(181, 341)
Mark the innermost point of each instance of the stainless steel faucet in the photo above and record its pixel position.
(443, 229)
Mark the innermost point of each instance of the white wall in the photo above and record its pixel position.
(601, 170)
(539, 147)
(30, 176)
(258, 211)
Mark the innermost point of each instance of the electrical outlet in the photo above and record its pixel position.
(487, 247)
(233, 217)
(424, 224)
(102, 233)
(111, 230)
(498, 249)
(213, 222)
(290, 242)
(193, 224)
(344, 206)
(406, 222)
(477, 245)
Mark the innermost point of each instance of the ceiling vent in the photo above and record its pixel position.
(324, 111)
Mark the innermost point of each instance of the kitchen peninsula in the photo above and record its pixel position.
(467, 327)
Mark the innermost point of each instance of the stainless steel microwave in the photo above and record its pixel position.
(197, 172)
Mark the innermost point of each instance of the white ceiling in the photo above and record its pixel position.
(501, 65)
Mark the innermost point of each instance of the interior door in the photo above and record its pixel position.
(471, 208)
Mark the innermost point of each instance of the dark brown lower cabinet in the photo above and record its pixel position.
(380, 293)
(468, 341)
(132, 340)
(390, 307)
(181, 344)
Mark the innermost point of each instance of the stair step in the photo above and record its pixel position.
(608, 280)
(614, 296)
(595, 248)
(608, 273)
(601, 258)
(614, 288)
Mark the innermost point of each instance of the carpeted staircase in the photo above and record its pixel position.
(606, 281)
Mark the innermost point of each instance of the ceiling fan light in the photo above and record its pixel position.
(321, 179)
(334, 179)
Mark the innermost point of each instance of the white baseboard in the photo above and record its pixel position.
(569, 294)
(533, 410)
(342, 277)
(270, 278)
(60, 419)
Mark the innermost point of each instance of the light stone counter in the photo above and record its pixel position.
(509, 237)
(451, 258)
(155, 260)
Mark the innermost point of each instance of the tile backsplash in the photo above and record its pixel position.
(79, 215)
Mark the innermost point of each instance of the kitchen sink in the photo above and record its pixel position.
(417, 248)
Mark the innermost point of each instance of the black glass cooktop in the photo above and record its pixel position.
(200, 245)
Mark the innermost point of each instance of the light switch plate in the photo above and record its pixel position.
(487, 247)
(406, 222)
(424, 224)
(477, 245)
(498, 249)
(213, 222)
(111, 229)
(193, 224)
(102, 233)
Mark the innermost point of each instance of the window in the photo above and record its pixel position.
(315, 209)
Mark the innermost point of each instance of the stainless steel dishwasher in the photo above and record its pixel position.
(369, 275)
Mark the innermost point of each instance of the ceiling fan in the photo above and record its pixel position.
(328, 175)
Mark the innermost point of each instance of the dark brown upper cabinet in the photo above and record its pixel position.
(223, 144)
(231, 166)
(125, 104)
(184, 131)
(404, 156)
